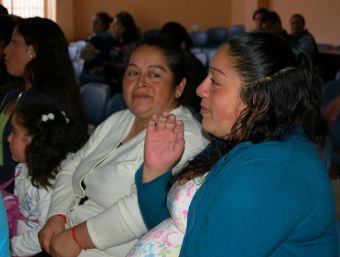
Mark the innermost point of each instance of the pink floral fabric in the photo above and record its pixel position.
(166, 238)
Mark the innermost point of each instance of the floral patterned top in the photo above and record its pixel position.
(166, 238)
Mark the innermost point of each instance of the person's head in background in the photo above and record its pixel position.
(3, 10)
(155, 78)
(258, 17)
(297, 24)
(272, 24)
(38, 52)
(39, 138)
(101, 22)
(7, 25)
(174, 33)
(124, 28)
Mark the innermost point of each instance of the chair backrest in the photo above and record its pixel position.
(324, 46)
(236, 29)
(203, 57)
(95, 97)
(199, 38)
(210, 53)
(216, 36)
(151, 33)
(329, 91)
(116, 103)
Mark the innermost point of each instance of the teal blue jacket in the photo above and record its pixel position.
(4, 234)
(268, 199)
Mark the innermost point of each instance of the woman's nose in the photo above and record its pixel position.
(201, 90)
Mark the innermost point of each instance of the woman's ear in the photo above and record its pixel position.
(180, 88)
(31, 52)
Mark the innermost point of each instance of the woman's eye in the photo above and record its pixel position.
(132, 73)
(154, 75)
(213, 82)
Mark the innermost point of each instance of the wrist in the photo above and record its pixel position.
(81, 236)
(75, 239)
(62, 217)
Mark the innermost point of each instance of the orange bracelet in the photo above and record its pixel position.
(63, 217)
(74, 237)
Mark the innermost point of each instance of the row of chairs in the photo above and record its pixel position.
(211, 37)
(99, 102)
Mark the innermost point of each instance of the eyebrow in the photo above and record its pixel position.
(151, 66)
(217, 70)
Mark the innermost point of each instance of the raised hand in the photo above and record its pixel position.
(164, 145)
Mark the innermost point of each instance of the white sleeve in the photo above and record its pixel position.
(118, 224)
(27, 243)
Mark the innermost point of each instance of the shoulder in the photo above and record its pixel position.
(118, 119)
(117, 123)
(296, 154)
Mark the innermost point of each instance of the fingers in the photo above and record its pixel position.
(165, 121)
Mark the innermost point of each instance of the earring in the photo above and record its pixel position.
(31, 56)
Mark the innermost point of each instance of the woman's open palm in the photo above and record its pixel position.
(164, 145)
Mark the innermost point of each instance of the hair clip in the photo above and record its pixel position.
(66, 118)
(46, 117)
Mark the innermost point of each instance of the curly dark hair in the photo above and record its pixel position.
(52, 72)
(281, 92)
(50, 142)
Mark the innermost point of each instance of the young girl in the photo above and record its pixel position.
(39, 143)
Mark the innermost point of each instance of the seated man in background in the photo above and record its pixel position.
(302, 36)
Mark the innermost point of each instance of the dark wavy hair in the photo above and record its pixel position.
(51, 72)
(131, 31)
(176, 59)
(281, 92)
(50, 143)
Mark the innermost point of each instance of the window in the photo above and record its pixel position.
(31, 8)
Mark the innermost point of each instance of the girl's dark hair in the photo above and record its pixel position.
(51, 72)
(281, 92)
(50, 144)
(105, 19)
(131, 31)
(176, 59)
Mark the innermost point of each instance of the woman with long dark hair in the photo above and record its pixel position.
(38, 53)
(260, 187)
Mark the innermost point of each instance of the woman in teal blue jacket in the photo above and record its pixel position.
(264, 190)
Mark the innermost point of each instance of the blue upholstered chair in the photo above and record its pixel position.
(151, 33)
(95, 97)
(329, 91)
(203, 57)
(199, 39)
(236, 29)
(116, 103)
(216, 36)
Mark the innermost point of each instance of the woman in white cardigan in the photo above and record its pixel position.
(94, 204)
